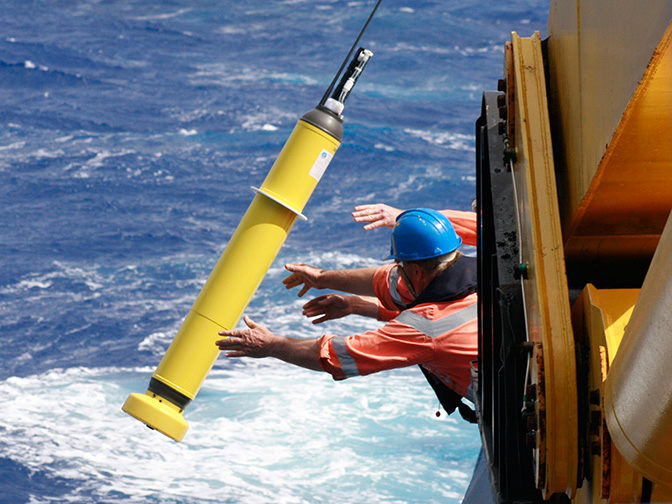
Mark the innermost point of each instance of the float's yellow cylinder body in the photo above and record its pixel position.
(233, 281)
(238, 273)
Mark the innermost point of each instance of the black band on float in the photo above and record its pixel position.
(168, 393)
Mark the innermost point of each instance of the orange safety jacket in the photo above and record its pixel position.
(438, 330)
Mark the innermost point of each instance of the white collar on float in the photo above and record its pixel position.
(279, 202)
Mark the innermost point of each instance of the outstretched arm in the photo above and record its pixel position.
(354, 281)
(379, 214)
(259, 342)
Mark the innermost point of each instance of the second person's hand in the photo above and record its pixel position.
(377, 215)
(330, 306)
(302, 274)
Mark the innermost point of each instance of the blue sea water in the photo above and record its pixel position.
(130, 133)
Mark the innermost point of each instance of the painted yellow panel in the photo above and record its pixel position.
(610, 68)
(599, 318)
(545, 289)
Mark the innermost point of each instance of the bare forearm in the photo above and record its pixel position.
(366, 306)
(304, 353)
(355, 281)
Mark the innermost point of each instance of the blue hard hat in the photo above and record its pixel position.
(422, 233)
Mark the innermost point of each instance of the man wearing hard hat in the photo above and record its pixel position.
(427, 297)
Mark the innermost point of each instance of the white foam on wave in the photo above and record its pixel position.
(166, 15)
(454, 141)
(86, 276)
(325, 259)
(43, 153)
(386, 148)
(263, 121)
(260, 432)
(156, 342)
(469, 51)
(32, 66)
(13, 146)
(226, 74)
(231, 30)
(99, 159)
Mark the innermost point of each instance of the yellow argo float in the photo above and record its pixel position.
(238, 273)
(244, 263)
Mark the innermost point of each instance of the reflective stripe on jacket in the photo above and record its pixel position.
(441, 336)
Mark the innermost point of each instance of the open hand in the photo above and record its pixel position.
(305, 275)
(377, 215)
(330, 306)
(256, 341)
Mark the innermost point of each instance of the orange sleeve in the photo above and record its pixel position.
(392, 346)
(328, 358)
(385, 315)
(464, 224)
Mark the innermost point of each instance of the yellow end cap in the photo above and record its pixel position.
(157, 414)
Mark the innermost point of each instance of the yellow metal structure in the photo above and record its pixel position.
(610, 81)
(610, 95)
(237, 275)
(638, 402)
(599, 317)
(602, 319)
(591, 207)
(547, 310)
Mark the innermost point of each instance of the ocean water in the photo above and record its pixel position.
(130, 133)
